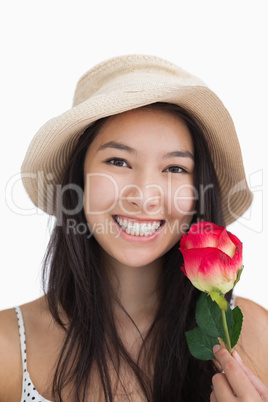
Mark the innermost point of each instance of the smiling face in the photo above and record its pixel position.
(139, 185)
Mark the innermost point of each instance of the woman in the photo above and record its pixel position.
(146, 151)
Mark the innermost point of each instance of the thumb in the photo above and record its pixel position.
(256, 382)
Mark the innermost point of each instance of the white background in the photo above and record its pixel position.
(47, 45)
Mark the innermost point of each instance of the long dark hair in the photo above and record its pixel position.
(75, 280)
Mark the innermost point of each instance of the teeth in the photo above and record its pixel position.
(138, 229)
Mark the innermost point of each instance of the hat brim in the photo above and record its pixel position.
(50, 149)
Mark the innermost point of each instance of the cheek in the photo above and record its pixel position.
(100, 194)
(183, 200)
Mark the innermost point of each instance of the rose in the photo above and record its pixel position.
(212, 257)
(213, 263)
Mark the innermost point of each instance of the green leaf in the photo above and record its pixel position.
(200, 344)
(209, 319)
(238, 276)
(208, 316)
(201, 339)
(236, 330)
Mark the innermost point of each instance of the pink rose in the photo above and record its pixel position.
(212, 257)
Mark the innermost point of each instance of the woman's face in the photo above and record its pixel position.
(139, 185)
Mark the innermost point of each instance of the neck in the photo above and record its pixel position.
(136, 289)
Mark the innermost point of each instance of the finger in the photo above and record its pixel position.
(235, 375)
(213, 397)
(256, 382)
(222, 390)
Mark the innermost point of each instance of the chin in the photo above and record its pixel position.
(136, 261)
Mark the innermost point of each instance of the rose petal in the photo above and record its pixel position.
(201, 240)
(183, 269)
(225, 244)
(219, 271)
(237, 260)
(192, 260)
(202, 234)
(212, 257)
(183, 241)
(234, 239)
(204, 227)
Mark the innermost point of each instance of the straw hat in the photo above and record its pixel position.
(125, 83)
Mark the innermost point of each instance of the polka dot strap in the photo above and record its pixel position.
(232, 302)
(22, 338)
(29, 393)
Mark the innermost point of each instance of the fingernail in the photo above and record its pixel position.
(216, 348)
(237, 356)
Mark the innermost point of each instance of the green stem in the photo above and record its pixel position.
(226, 332)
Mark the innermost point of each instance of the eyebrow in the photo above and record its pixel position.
(124, 147)
(117, 145)
(184, 154)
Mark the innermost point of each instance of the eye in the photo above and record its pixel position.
(175, 169)
(117, 162)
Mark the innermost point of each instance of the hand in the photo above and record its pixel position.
(237, 383)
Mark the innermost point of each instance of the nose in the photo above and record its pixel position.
(143, 196)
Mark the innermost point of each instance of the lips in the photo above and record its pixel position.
(138, 228)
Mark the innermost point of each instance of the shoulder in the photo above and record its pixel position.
(11, 367)
(255, 320)
(252, 344)
(10, 357)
